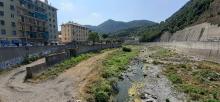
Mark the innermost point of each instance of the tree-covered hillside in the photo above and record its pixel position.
(110, 26)
(194, 12)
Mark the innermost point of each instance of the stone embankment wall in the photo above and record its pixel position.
(200, 32)
(59, 57)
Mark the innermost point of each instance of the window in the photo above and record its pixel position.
(12, 16)
(3, 31)
(22, 18)
(12, 7)
(14, 32)
(2, 22)
(13, 24)
(1, 4)
(1, 13)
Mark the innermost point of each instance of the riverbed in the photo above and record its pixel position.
(144, 82)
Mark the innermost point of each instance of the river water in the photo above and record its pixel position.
(145, 78)
(134, 74)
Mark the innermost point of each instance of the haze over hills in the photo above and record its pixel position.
(111, 26)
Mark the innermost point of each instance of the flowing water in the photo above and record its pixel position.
(134, 74)
(152, 85)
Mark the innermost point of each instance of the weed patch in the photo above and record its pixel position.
(162, 53)
(200, 83)
(112, 68)
(28, 60)
(60, 68)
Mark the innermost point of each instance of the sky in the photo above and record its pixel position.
(94, 12)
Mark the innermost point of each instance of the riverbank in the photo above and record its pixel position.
(198, 79)
(63, 88)
(111, 69)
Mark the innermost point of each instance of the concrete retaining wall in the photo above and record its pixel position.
(203, 50)
(200, 32)
(13, 56)
(59, 57)
(55, 58)
(35, 70)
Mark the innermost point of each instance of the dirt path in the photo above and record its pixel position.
(65, 88)
(157, 88)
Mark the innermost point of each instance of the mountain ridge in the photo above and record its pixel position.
(111, 26)
(194, 12)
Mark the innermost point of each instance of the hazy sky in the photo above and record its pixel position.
(94, 12)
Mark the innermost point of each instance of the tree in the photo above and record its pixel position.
(94, 37)
(104, 36)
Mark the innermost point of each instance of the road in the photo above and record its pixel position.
(67, 87)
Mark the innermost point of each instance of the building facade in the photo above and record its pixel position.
(74, 32)
(25, 22)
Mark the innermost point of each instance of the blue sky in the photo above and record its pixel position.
(94, 12)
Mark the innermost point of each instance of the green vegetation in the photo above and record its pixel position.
(110, 26)
(104, 36)
(167, 100)
(199, 84)
(161, 52)
(1, 71)
(28, 60)
(200, 80)
(186, 16)
(125, 49)
(94, 37)
(102, 90)
(112, 68)
(59, 68)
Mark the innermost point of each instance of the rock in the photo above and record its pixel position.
(78, 100)
(154, 97)
(143, 96)
(158, 76)
(115, 87)
(121, 77)
(150, 100)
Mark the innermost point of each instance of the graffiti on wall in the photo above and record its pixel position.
(11, 62)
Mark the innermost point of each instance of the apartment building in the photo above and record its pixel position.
(25, 22)
(73, 32)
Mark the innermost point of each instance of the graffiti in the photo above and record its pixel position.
(11, 62)
(15, 56)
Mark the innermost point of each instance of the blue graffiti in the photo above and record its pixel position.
(11, 62)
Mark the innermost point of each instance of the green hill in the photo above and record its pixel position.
(110, 26)
(192, 13)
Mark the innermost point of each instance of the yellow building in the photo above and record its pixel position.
(73, 32)
(27, 22)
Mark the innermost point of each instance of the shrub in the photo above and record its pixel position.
(28, 60)
(125, 49)
(175, 78)
(156, 62)
(101, 96)
(213, 100)
(101, 90)
(167, 100)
